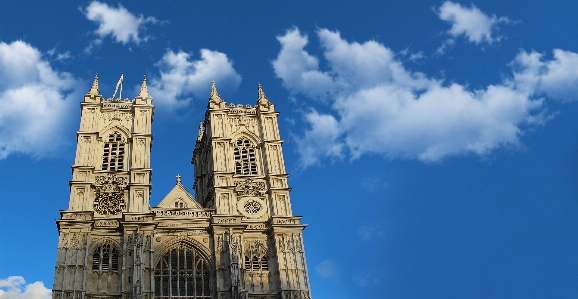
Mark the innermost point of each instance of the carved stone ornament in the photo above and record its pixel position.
(250, 188)
(252, 207)
(109, 194)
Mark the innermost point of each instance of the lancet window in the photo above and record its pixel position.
(182, 273)
(113, 152)
(245, 157)
(105, 258)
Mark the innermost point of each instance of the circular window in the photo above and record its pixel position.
(252, 207)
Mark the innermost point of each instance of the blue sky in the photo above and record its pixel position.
(432, 146)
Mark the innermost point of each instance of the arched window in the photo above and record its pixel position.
(182, 272)
(105, 258)
(113, 153)
(245, 157)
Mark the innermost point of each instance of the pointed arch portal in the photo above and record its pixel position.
(183, 273)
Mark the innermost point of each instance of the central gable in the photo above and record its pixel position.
(180, 198)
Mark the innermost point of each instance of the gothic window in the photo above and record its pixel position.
(113, 153)
(105, 258)
(245, 157)
(182, 273)
(255, 263)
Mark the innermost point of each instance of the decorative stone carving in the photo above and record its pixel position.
(106, 223)
(77, 216)
(256, 248)
(109, 194)
(219, 244)
(252, 207)
(250, 188)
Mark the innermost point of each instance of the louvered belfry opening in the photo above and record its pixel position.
(182, 273)
(245, 157)
(105, 258)
(113, 153)
(256, 263)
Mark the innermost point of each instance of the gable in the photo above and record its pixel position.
(180, 198)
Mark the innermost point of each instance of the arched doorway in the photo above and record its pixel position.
(182, 273)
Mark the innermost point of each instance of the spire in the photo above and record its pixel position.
(262, 98)
(201, 131)
(94, 88)
(215, 97)
(144, 92)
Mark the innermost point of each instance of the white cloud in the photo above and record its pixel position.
(327, 269)
(382, 108)
(181, 77)
(118, 22)
(299, 70)
(35, 102)
(557, 78)
(321, 140)
(15, 287)
(470, 22)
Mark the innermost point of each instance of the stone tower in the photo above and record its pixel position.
(238, 240)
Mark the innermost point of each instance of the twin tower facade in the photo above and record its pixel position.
(237, 239)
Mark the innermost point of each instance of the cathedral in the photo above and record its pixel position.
(237, 239)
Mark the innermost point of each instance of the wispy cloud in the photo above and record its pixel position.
(327, 269)
(470, 22)
(380, 107)
(117, 22)
(36, 102)
(365, 279)
(183, 78)
(15, 287)
(59, 56)
(372, 183)
(369, 232)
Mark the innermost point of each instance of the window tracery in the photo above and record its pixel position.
(245, 157)
(182, 273)
(113, 152)
(105, 258)
(256, 256)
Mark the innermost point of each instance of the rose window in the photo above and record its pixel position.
(252, 207)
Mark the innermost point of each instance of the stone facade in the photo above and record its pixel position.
(238, 239)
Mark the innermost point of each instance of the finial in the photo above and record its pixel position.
(94, 88)
(262, 98)
(144, 91)
(178, 179)
(200, 136)
(215, 97)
